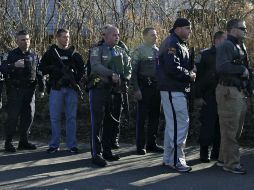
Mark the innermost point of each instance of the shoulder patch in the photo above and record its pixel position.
(95, 52)
(172, 50)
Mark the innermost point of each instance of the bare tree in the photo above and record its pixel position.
(84, 18)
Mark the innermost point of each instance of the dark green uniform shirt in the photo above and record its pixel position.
(144, 60)
(101, 62)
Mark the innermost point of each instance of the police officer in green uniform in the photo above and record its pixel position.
(109, 67)
(119, 100)
(145, 59)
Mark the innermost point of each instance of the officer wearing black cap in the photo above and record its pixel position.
(174, 77)
(21, 68)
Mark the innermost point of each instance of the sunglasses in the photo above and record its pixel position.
(242, 28)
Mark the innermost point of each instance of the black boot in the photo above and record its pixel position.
(107, 155)
(204, 154)
(25, 145)
(99, 161)
(215, 153)
(8, 146)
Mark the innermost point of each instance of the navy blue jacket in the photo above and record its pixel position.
(207, 78)
(29, 73)
(173, 71)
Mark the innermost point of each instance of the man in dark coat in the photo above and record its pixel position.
(207, 81)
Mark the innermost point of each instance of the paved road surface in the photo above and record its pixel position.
(37, 170)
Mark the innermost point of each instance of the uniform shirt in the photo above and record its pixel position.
(207, 78)
(174, 65)
(227, 52)
(100, 58)
(144, 61)
(29, 73)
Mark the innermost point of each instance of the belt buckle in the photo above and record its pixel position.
(149, 81)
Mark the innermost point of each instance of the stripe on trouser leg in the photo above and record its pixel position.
(175, 127)
(92, 123)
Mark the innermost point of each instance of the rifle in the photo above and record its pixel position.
(67, 74)
(247, 83)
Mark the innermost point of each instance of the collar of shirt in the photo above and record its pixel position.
(149, 45)
(19, 51)
(179, 39)
(233, 39)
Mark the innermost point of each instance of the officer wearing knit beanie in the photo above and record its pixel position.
(180, 22)
(174, 73)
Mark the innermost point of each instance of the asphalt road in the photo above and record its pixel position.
(37, 170)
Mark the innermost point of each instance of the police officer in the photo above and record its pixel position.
(119, 100)
(206, 83)
(21, 68)
(109, 67)
(145, 59)
(174, 77)
(65, 68)
(233, 69)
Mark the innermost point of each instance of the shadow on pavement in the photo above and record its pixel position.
(64, 171)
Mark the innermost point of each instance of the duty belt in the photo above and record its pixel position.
(231, 83)
(22, 84)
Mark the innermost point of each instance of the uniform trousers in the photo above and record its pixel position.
(210, 128)
(101, 135)
(20, 107)
(232, 107)
(113, 119)
(148, 110)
